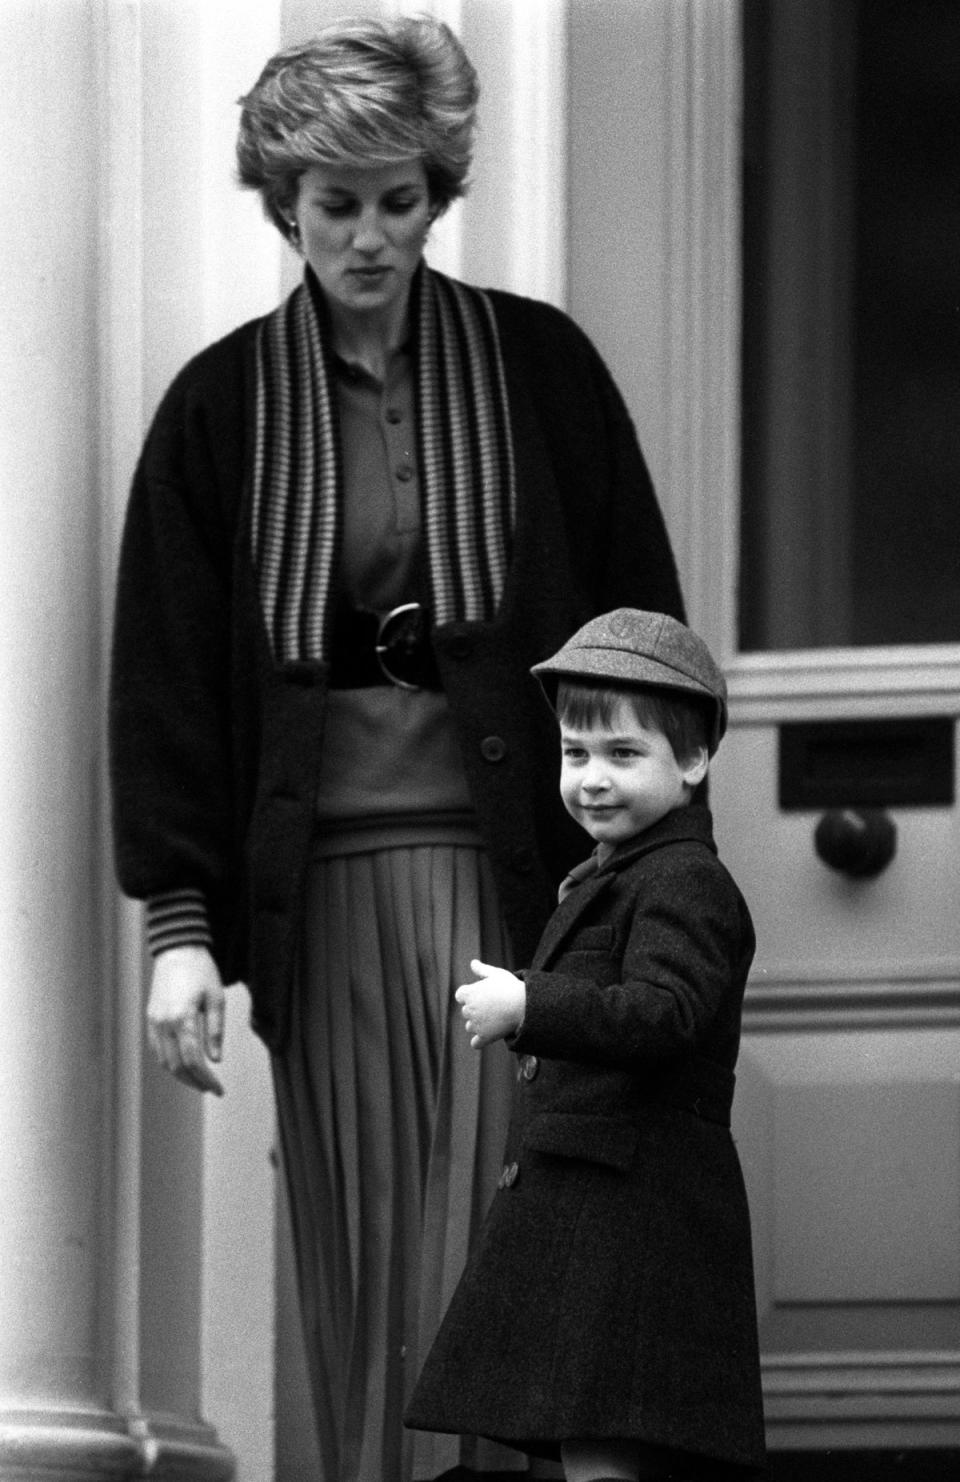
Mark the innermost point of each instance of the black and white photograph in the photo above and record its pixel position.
(480, 664)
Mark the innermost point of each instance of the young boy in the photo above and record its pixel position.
(606, 1316)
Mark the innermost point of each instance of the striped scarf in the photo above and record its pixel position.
(465, 456)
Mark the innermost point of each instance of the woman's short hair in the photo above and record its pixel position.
(685, 719)
(363, 92)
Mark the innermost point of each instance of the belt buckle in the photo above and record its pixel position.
(402, 647)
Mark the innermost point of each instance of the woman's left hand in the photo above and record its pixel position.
(185, 1015)
(492, 1007)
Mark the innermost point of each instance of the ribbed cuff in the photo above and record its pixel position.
(177, 918)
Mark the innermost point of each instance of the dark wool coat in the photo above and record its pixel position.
(611, 1293)
(215, 749)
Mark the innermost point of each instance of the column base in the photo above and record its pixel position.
(98, 1446)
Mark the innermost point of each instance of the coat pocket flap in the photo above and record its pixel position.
(599, 938)
(596, 1139)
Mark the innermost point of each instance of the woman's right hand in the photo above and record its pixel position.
(185, 1014)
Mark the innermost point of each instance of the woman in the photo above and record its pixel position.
(354, 527)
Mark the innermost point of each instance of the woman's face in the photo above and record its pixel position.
(362, 230)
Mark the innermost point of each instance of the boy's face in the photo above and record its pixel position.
(618, 780)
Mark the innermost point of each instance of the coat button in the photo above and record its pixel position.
(529, 1067)
(493, 748)
(508, 1176)
(404, 472)
(394, 416)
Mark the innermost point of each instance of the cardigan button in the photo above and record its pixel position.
(529, 1067)
(493, 748)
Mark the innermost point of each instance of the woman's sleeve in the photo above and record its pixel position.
(617, 535)
(169, 708)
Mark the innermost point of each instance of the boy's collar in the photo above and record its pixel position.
(692, 822)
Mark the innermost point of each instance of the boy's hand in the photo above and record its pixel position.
(493, 1007)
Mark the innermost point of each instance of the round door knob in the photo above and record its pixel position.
(859, 842)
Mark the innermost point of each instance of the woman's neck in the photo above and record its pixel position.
(369, 340)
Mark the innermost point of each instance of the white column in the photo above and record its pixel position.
(59, 1411)
(121, 242)
(54, 1046)
(515, 217)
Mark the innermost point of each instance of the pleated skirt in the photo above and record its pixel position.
(392, 1133)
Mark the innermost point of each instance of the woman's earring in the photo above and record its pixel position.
(293, 235)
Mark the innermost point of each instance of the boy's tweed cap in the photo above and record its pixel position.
(631, 647)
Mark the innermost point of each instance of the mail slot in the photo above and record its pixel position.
(899, 763)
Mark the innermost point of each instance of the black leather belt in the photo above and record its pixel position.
(396, 649)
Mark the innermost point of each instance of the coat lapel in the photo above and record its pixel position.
(568, 913)
(692, 823)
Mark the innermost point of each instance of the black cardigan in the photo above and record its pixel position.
(214, 748)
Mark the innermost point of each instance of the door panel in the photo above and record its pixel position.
(847, 1116)
(858, 1132)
